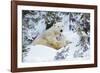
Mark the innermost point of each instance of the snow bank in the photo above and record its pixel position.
(40, 53)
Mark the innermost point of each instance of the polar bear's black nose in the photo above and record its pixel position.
(61, 30)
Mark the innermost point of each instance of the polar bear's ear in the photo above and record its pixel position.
(62, 25)
(54, 24)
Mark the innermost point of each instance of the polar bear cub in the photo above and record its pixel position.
(52, 37)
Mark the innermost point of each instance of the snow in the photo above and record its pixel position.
(40, 53)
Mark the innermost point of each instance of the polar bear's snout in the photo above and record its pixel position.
(61, 30)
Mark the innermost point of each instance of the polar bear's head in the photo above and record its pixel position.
(58, 27)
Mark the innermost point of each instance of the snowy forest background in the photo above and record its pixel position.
(77, 29)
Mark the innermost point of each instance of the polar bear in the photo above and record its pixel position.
(52, 37)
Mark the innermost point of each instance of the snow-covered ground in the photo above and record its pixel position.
(40, 53)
